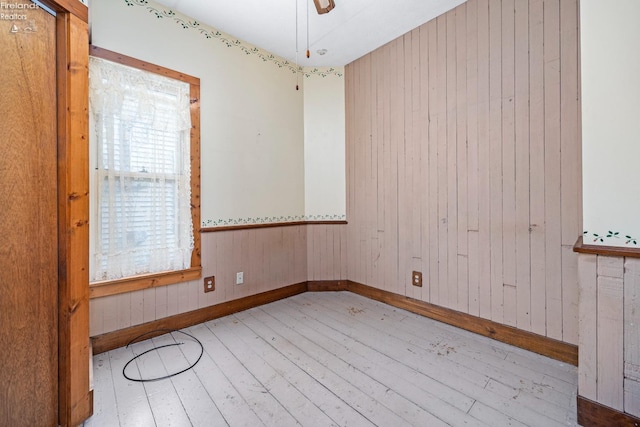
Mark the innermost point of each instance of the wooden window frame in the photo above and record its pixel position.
(134, 283)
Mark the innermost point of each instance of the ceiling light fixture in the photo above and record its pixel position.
(324, 6)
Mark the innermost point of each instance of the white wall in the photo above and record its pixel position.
(324, 144)
(252, 139)
(263, 158)
(611, 121)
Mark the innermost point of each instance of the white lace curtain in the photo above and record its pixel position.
(141, 219)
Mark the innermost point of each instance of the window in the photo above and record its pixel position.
(143, 213)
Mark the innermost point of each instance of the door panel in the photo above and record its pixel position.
(28, 221)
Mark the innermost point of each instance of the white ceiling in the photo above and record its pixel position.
(351, 30)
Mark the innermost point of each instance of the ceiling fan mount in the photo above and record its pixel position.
(324, 6)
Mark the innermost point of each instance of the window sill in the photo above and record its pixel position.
(136, 283)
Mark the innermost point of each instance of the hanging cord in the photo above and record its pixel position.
(171, 331)
(297, 74)
(308, 53)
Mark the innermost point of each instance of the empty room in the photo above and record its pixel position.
(320, 213)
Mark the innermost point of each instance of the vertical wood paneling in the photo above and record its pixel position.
(96, 320)
(474, 128)
(553, 259)
(367, 188)
(357, 175)
(462, 284)
(269, 257)
(137, 304)
(350, 159)
(108, 305)
(123, 310)
(374, 192)
(325, 258)
(416, 161)
(172, 300)
(194, 289)
(222, 249)
(424, 187)
(471, 71)
(632, 397)
(536, 163)
(405, 168)
(451, 162)
(484, 214)
(632, 336)
(396, 71)
(183, 301)
(441, 117)
(495, 160)
(508, 163)
(236, 263)
(336, 267)
(312, 262)
(148, 305)
(161, 302)
(368, 195)
(450, 165)
(610, 371)
(377, 59)
(522, 190)
(587, 343)
(609, 336)
(434, 268)
(570, 294)
(389, 258)
(570, 159)
(255, 264)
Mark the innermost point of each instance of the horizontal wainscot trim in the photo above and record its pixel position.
(583, 248)
(267, 225)
(120, 338)
(136, 283)
(593, 414)
(549, 347)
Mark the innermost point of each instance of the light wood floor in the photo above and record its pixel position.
(333, 359)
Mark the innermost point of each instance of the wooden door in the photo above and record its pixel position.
(28, 221)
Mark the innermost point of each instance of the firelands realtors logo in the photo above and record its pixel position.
(18, 14)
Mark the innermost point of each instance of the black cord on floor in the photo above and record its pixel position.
(142, 380)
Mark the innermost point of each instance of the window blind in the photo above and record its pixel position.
(141, 183)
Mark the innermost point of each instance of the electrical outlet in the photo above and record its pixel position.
(416, 278)
(210, 284)
(239, 278)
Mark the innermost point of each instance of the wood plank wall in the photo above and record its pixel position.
(326, 252)
(463, 162)
(270, 258)
(631, 336)
(609, 348)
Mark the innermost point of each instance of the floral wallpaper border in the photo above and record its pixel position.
(272, 219)
(615, 238)
(211, 33)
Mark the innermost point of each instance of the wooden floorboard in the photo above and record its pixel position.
(332, 359)
(504, 362)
